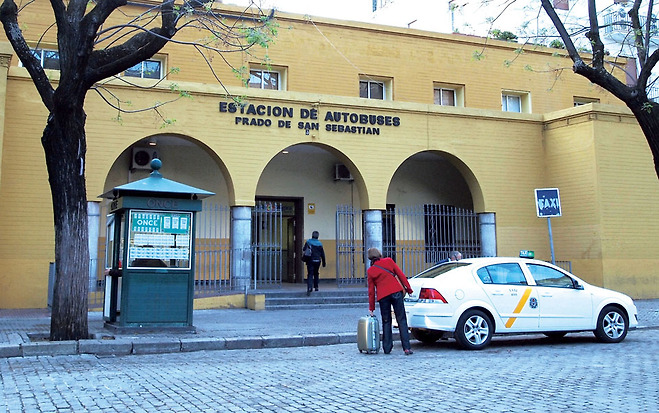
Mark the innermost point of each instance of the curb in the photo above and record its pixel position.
(165, 345)
(123, 347)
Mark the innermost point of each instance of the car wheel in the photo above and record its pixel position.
(426, 336)
(612, 325)
(474, 330)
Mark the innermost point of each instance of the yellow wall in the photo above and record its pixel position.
(600, 161)
(595, 154)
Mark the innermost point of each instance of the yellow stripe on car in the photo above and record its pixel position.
(519, 307)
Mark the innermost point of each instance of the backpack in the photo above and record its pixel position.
(306, 256)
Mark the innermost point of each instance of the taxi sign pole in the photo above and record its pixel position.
(551, 241)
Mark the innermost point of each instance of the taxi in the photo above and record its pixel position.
(472, 299)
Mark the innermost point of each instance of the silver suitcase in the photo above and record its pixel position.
(368, 334)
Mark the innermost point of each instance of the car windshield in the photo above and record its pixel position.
(433, 272)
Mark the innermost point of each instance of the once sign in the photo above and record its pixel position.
(548, 202)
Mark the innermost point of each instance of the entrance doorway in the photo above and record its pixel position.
(291, 237)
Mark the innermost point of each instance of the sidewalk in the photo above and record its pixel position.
(23, 332)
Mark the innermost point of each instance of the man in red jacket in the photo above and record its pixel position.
(390, 283)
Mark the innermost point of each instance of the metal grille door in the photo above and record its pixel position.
(420, 236)
(350, 268)
(267, 232)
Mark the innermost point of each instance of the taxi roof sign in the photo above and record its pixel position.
(547, 202)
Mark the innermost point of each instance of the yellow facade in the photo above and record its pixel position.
(595, 154)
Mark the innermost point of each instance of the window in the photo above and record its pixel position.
(148, 69)
(49, 59)
(371, 89)
(445, 97)
(436, 271)
(375, 87)
(264, 79)
(515, 102)
(549, 277)
(502, 274)
(448, 94)
(579, 101)
(511, 103)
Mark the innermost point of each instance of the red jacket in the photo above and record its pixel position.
(384, 282)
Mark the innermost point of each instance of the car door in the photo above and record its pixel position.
(515, 301)
(562, 305)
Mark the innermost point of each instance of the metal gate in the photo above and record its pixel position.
(350, 268)
(416, 237)
(212, 249)
(267, 233)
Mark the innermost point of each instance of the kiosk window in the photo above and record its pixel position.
(159, 239)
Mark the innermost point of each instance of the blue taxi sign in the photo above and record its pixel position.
(547, 202)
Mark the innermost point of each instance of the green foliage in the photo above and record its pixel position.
(167, 122)
(242, 73)
(182, 93)
(504, 35)
(478, 55)
(647, 106)
(557, 44)
(262, 35)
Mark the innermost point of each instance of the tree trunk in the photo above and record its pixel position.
(648, 120)
(64, 145)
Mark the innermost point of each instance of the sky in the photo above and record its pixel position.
(430, 15)
(359, 10)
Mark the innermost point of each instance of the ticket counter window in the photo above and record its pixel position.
(159, 239)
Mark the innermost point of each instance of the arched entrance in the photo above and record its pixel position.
(308, 181)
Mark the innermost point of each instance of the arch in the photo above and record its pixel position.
(170, 145)
(465, 173)
(358, 179)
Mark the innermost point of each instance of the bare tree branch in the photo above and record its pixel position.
(9, 18)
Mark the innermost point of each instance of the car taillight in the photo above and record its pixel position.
(430, 294)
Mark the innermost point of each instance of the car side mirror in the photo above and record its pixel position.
(576, 285)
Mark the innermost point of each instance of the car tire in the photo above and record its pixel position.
(612, 325)
(426, 336)
(474, 330)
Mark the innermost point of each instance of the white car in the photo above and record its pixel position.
(473, 299)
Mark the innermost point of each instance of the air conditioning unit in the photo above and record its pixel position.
(342, 173)
(141, 157)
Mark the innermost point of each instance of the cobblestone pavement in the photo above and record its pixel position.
(514, 374)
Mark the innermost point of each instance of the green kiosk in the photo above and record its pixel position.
(149, 282)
